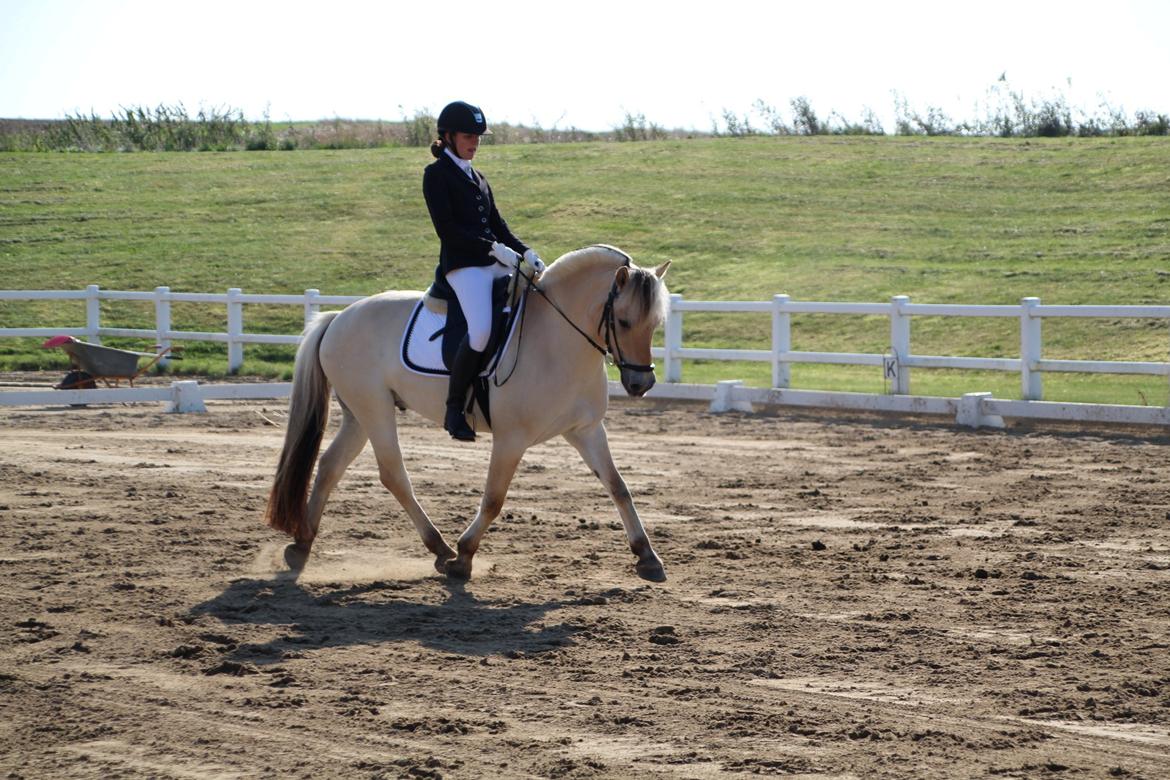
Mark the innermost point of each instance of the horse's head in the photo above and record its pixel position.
(634, 304)
(636, 307)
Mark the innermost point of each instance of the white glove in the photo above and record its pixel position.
(534, 260)
(504, 255)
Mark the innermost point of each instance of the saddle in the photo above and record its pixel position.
(437, 326)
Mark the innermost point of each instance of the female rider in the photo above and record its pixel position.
(475, 246)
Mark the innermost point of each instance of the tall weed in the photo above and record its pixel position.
(1004, 111)
(636, 127)
(420, 129)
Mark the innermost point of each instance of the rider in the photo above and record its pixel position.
(475, 245)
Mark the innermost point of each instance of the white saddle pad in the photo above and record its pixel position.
(422, 342)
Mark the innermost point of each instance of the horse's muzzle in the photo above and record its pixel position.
(637, 383)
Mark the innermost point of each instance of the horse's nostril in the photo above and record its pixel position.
(637, 383)
(639, 387)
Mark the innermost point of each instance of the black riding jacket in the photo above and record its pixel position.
(465, 218)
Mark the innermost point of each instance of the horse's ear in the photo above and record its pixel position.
(660, 271)
(622, 276)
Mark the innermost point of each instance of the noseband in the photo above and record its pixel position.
(607, 321)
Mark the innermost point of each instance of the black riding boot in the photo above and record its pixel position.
(464, 367)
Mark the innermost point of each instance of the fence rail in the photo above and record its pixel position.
(163, 332)
(896, 364)
(972, 410)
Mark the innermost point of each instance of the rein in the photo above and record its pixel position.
(607, 320)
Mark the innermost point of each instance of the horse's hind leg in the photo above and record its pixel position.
(593, 445)
(384, 436)
(502, 467)
(346, 446)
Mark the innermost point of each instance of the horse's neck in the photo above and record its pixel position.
(580, 293)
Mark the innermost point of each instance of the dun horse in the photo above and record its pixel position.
(558, 388)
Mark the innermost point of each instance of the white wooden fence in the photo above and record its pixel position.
(163, 333)
(896, 364)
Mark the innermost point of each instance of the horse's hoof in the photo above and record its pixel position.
(296, 555)
(441, 562)
(651, 570)
(458, 570)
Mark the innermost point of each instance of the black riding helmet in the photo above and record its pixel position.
(460, 117)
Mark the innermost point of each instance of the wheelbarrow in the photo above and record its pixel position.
(93, 363)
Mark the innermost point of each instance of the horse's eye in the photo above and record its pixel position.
(624, 323)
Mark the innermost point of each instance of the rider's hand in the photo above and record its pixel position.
(504, 255)
(534, 261)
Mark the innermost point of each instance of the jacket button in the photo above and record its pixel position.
(487, 230)
(481, 208)
(483, 219)
(479, 197)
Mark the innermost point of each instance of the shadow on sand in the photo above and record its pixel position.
(323, 615)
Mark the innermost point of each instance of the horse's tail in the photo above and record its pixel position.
(308, 412)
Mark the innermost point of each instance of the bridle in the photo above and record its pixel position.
(607, 318)
(607, 321)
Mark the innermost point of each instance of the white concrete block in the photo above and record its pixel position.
(725, 401)
(970, 412)
(186, 398)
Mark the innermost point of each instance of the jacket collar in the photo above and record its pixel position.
(459, 170)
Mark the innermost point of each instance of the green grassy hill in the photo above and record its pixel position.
(970, 220)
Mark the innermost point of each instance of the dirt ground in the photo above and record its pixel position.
(849, 597)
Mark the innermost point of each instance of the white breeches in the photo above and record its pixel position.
(473, 287)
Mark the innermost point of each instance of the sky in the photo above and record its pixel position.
(586, 64)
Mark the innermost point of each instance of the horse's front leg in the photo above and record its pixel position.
(593, 445)
(505, 458)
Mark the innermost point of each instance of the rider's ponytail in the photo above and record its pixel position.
(437, 147)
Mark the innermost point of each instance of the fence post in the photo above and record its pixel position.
(781, 342)
(93, 314)
(162, 320)
(312, 308)
(672, 341)
(1031, 383)
(235, 329)
(897, 371)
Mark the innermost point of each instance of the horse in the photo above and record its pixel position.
(557, 387)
